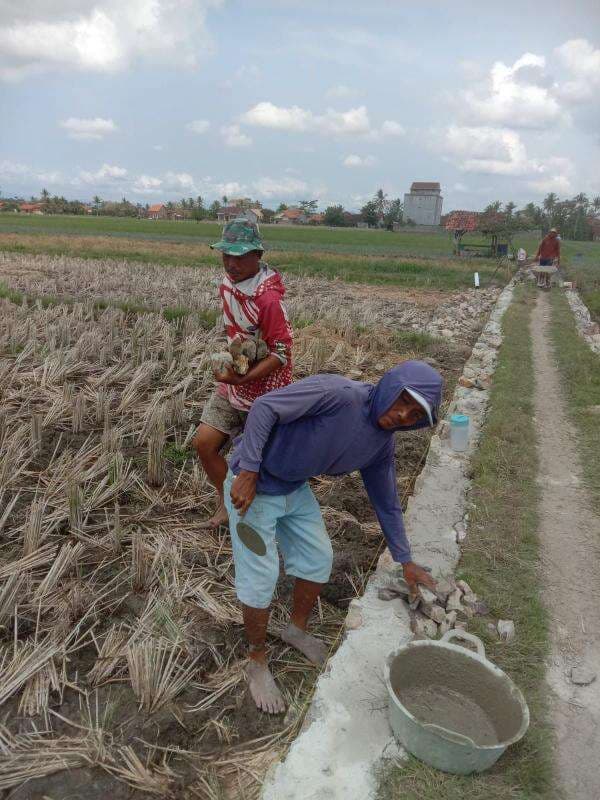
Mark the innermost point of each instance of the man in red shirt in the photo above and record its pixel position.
(252, 295)
(548, 255)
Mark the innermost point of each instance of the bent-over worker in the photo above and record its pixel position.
(322, 425)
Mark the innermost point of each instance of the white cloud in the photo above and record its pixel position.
(104, 37)
(460, 187)
(158, 147)
(517, 96)
(354, 122)
(15, 172)
(582, 61)
(179, 181)
(147, 184)
(106, 175)
(226, 189)
(279, 187)
(96, 128)
(499, 151)
(340, 91)
(359, 161)
(198, 126)
(392, 128)
(268, 115)
(496, 151)
(234, 137)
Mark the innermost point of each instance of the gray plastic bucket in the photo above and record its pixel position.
(451, 707)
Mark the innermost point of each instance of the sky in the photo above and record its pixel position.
(285, 101)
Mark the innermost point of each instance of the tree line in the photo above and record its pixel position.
(574, 217)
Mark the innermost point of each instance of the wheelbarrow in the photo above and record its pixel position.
(451, 707)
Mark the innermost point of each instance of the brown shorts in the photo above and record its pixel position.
(221, 415)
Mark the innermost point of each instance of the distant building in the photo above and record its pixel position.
(31, 208)
(292, 216)
(157, 211)
(227, 213)
(423, 204)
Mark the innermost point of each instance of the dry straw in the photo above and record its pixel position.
(158, 671)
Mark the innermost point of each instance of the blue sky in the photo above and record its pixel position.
(283, 101)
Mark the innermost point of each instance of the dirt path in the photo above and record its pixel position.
(570, 546)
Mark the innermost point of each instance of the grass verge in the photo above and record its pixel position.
(499, 560)
(579, 370)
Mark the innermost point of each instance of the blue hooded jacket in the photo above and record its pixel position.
(328, 425)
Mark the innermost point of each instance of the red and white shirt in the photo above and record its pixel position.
(250, 308)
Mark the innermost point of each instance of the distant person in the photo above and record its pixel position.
(252, 295)
(322, 425)
(548, 255)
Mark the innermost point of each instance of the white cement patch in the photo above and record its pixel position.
(347, 732)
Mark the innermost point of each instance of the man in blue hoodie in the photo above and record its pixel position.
(322, 425)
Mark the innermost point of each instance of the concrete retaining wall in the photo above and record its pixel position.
(346, 733)
(588, 330)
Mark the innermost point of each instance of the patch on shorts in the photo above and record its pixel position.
(251, 539)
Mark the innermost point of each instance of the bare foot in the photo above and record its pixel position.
(218, 518)
(314, 649)
(263, 688)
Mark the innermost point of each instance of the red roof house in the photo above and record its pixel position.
(157, 211)
(31, 208)
(465, 221)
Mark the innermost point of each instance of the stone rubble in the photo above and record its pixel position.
(506, 629)
(582, 676)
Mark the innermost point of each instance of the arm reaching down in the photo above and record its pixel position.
(380, 482)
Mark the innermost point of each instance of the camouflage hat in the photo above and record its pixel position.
(240, 236)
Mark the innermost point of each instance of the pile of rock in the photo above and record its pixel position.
(452, 605)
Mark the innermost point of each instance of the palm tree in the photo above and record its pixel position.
(224, 199)
(45, 195)
(493, 208)
(596, 203)
(550, 202)
(581, 200)
(509, 208)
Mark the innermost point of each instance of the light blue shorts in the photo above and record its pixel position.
(294, 523)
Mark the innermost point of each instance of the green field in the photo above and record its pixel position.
(407, 258)
(341, 240)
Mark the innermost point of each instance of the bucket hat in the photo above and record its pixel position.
(240, 236)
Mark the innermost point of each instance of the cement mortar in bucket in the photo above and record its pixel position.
(451, 707)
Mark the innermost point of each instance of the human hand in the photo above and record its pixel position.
(224, 373)
(243, 490)
(414, 574)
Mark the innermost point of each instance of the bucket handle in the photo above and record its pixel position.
(469, 637)
(452, 736)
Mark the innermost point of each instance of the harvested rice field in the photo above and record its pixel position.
(121, 644)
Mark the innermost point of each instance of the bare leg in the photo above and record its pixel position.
(262, 686)
(208, 443)
(305, 597)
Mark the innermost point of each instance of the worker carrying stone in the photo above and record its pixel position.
(548, 255)
(257, 325)
(322, 425)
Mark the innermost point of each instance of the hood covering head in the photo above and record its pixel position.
(416, 375)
